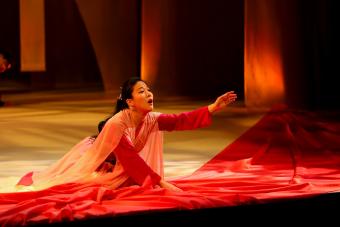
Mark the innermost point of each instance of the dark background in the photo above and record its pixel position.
(202, 48)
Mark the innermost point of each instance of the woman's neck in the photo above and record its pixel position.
(137, 117)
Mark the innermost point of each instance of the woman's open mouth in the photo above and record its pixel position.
(150, 101)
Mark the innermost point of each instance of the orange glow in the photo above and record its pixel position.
(264, 84)
(151, 40)
(32, 35)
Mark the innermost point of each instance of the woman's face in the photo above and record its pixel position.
(142, 98)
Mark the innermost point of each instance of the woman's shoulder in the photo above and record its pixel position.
(118, 119)
(154, 115)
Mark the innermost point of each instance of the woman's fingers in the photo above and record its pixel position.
(228, 97)
(222, 101)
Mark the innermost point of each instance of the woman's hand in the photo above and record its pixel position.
(169, 186)
(222, 101)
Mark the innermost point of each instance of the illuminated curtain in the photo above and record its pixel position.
(264, 83)
(32, 35)
(151, 39)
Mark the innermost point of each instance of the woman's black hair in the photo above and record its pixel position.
(121, 104)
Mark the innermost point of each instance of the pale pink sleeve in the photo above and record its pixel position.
(80, 168)
(105, 143)
(198, 118)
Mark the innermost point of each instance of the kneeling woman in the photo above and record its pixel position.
(129, 147)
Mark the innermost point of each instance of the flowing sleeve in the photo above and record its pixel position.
(85, 158)
(104, 145)
(133, 164)
(198, 118)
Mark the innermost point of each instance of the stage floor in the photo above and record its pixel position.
(38, 128)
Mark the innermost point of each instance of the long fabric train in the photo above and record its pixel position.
(287, 154)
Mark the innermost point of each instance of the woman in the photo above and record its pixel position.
(128, 149)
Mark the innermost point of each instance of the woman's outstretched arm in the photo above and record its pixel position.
(198, 118)
(222, 101)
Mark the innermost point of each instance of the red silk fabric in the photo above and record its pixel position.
(287, 154)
